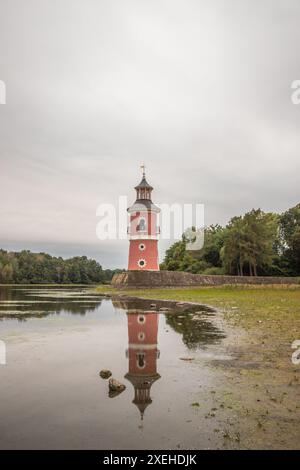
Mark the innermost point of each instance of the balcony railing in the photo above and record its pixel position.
(142, 232)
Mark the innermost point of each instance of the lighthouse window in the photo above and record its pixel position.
(141, 263)
(141, 318)
(142, 225)
(141, 336)
(142, 246)
(141, 363)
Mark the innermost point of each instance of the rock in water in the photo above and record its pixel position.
(105, 373)
(115, 387)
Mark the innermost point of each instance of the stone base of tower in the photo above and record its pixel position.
(148, 279)
(143, 255)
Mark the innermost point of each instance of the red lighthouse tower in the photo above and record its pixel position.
(143, 230)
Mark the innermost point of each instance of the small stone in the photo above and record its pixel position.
(115, 387)
(105, 373)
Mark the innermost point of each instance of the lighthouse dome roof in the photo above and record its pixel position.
(143, 184)
(142, 205)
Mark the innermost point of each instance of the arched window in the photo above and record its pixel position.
(142, 225)
(141, 363)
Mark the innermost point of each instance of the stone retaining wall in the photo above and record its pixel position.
(132, 279)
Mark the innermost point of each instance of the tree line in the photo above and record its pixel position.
(257, 243)
(26, 267)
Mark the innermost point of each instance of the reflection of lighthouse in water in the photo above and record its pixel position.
(142, 353)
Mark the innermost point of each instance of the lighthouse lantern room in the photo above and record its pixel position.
(143, 229)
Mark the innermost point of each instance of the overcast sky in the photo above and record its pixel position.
(198, 89)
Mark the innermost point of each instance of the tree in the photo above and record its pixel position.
(290, 233)
(7, 273)
(214, 237)
(250, 243)
(38, 268)
(178, 258)
(233, 249)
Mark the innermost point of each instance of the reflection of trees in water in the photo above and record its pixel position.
(39, 307)
(44, 311)
(195, 331)
(189, 320)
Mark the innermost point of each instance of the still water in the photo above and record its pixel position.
(58, 339)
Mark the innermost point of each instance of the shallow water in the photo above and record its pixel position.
(57, 341)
